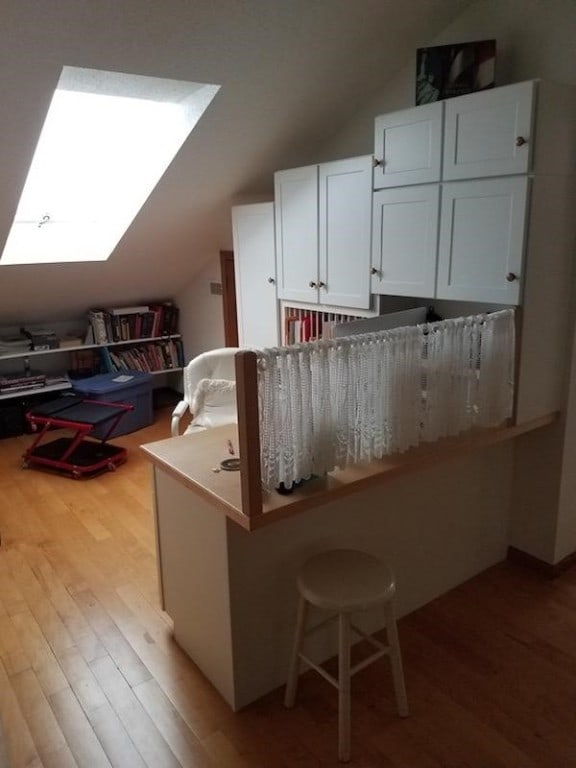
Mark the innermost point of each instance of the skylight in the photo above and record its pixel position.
(107, 140)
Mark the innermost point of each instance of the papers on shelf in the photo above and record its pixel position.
(35, 381)
(53, 381)
(13, 345)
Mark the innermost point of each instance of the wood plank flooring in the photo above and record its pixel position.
(90, 675)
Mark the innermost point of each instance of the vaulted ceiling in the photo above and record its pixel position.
(292, 72)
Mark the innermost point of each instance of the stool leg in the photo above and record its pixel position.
(343, 687)
(294, 669)
(396, 661)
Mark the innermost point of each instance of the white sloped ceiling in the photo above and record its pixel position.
(292, 72)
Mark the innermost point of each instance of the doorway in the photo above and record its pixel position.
(229, 298)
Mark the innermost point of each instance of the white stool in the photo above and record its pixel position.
(346, 581)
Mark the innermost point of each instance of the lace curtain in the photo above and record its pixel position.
(327, 404)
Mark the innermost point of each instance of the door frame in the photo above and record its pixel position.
(229, 298)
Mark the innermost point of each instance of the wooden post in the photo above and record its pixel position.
(248, 432)
(518, 318)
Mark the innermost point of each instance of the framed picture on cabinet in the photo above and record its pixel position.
(444, 71)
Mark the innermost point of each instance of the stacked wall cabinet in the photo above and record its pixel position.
(323, 233)
(474, 201)
(470, 206)
(451, 199)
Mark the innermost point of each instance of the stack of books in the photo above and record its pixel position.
(70, 340)
(14, 382)
(41, 338)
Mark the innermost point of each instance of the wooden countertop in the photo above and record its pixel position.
(192, 459)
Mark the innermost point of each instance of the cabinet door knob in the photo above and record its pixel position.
(271, 280)
(376, 162)
(520, 141)
(321, 284)
(374, 271)
(312, 284)
(511, 277)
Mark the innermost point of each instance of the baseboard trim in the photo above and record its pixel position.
(550, 570)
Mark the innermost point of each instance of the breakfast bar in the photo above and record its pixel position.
(439, 514)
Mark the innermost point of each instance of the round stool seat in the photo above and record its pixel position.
(345, 580)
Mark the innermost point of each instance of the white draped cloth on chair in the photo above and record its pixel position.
(327, 404)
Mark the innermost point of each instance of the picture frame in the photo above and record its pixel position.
(445, 71)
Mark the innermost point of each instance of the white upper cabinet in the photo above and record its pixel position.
(483, 223)
(323, 233)
(255, 275)
(489, 133)
(345, 207)
(405, 240)
(408, 146)
(474, 152)
(296, 207)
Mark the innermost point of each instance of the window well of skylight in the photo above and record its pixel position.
(107, 140)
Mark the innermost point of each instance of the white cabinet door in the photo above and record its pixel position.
(408, 146)
(405, 240)
(345, 209)
(489, 133)
(255, 274)
(482, 240)
(296, 217)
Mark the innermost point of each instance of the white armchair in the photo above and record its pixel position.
(209, 391)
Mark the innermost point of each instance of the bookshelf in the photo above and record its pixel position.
(80, 347)
(102, 350)
(55, 384)
(303, 322)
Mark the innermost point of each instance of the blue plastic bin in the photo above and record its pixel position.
(131, 387)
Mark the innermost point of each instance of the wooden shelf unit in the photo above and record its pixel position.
(63, 350)
(160, 353)
(315, 322)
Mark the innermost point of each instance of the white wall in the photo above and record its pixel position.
(534, 39)
(537, 40)
(201, 316)
(565, 540)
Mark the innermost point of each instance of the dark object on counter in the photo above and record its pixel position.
(230, 465)
(432, 316)
(285, 491)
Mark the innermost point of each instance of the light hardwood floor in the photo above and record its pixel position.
(90, 675)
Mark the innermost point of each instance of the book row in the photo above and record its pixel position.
(160, 356)
(302, 325)
(107, 326)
